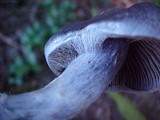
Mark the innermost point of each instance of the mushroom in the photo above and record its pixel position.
(117, 50)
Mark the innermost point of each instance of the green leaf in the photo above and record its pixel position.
(36, 68)
(49, 21)
(94, 12)
(157, 2)
(19, 80)
(37, 26)
(35, 36)
(31, 58)
(45, 3)
(11, 81)
(126, 108)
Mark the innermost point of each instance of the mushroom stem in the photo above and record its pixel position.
(75, 89)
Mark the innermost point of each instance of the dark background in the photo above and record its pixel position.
(26, 25)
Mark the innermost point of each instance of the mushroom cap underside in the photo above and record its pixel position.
(139, 23)
(141, 68)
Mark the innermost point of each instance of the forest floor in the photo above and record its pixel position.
(16, 15)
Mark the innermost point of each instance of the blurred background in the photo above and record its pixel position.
(26, 25)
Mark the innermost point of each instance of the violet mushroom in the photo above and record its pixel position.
(118, 50)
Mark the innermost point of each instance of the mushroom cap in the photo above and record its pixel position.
(139, 25)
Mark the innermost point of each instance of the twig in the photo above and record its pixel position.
(9, 41)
